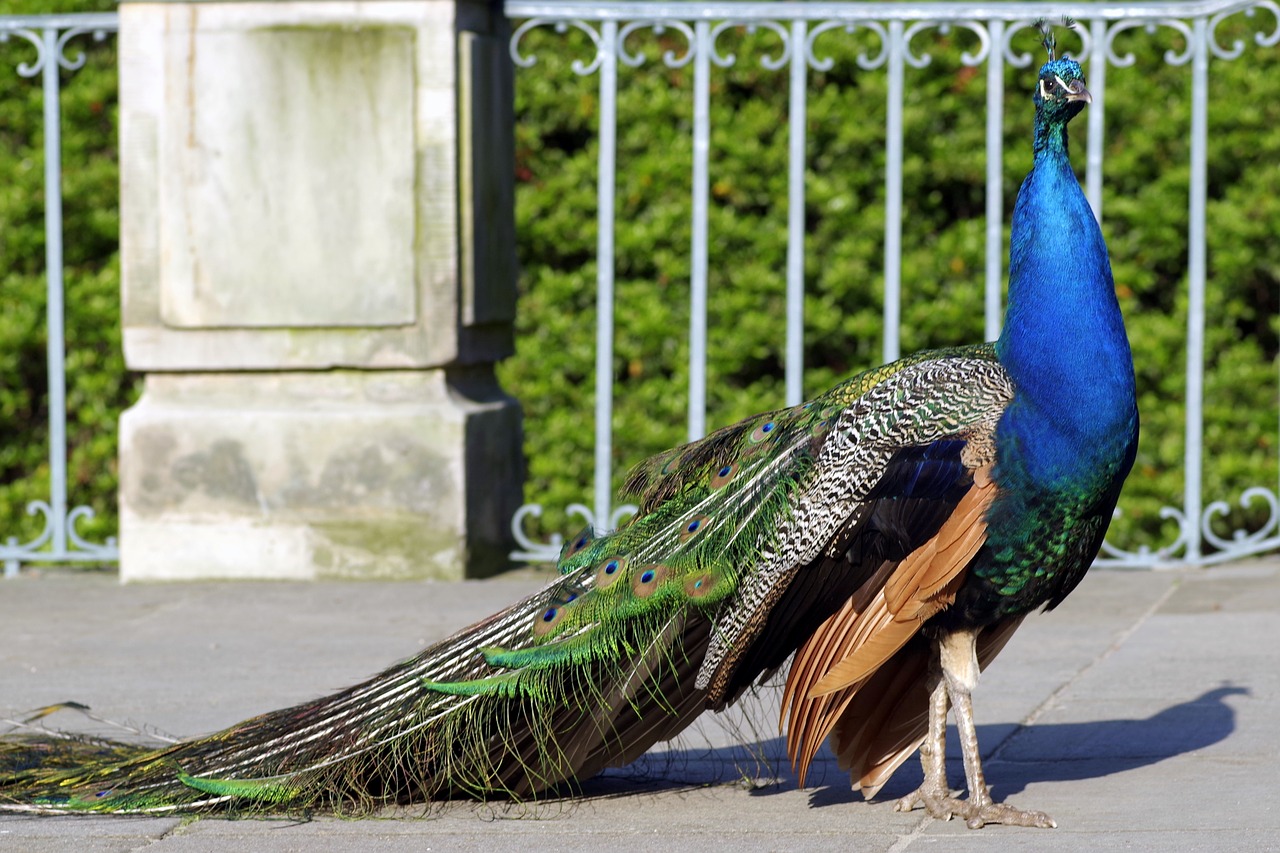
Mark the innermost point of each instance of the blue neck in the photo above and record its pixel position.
(1063, 340)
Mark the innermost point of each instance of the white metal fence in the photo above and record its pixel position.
(798, 27)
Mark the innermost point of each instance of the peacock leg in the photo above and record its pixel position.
(933, 793)
(959, 658)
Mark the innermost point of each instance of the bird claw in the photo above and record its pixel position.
(942, 806)
(938, 802)
(978, 816)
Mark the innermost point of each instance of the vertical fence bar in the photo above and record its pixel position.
(1097, 114)
(993, 309)
(1196, 286)
(893, 195)
(56, 313)
(607, 166)
(49, 34)
(795, 214)
(698, 263)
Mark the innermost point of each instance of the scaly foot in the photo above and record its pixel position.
(978, 815)
(941, 805)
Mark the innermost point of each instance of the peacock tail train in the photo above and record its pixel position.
(890, 534)
(631, 643)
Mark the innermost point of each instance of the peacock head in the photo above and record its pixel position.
(1060, 93)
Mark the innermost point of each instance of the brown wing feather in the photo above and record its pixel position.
(880, 618)
(884, 720)
(935, 564)
(835, 634)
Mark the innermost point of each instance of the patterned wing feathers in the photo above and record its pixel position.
(851, 646)
(922, 584)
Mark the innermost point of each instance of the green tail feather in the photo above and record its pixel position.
(507, 685)
(260, 790)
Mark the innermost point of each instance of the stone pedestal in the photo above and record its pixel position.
(318, 260)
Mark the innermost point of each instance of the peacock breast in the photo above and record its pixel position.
(1047, 523)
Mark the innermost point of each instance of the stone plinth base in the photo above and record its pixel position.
(350, 474)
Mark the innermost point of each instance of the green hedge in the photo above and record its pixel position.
(1145, 222)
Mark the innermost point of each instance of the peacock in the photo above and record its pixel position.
(887, 538)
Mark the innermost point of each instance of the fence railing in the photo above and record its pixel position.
(48, 40)
(798, 26)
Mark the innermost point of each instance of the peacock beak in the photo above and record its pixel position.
(1077, 92)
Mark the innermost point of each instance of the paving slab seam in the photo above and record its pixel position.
(1115, 645)
(905, 841)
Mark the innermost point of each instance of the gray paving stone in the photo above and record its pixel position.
(1154, 701)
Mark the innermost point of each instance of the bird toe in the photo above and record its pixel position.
(936, 801)
(978, 816)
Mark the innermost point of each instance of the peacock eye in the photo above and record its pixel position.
(1050, 86)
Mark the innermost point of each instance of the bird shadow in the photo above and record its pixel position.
(1070, 752)
(1015, 756)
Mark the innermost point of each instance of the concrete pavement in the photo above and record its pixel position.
(1144, 714)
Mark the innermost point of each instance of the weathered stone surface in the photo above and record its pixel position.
(291, 184)
(285, 191)
(317, 242)
(344, 474)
